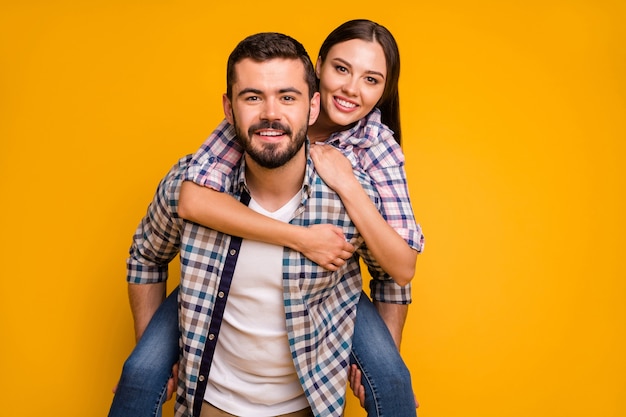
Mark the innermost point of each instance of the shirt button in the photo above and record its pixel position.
(233, 252)
(220, 294)
(211, 336)
(201, 378)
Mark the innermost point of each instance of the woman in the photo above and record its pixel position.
(358, 69)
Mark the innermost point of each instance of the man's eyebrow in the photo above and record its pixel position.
(249, 91)
(259, 92)
(290, 90)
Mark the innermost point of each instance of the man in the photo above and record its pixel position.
(264, 330)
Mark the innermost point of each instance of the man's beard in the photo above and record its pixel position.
(271, 155)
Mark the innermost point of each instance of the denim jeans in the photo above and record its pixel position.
(387, 381)
(142, 387)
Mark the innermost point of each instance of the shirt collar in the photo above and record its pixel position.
(364, 134)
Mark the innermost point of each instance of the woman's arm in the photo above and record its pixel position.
(389, 249)
(324, 244)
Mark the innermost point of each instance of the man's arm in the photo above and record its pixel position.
(394, 316)
(144, 300)
(156, 243)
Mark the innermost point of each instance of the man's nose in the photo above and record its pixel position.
(270, 110)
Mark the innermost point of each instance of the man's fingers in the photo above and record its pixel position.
(172, 382)
(170, 388)
(361, 396)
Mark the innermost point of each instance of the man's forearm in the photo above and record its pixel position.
(144, 300)
(394, 316)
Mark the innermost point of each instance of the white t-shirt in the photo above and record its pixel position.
(252, 373)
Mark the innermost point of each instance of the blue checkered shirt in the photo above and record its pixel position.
(370, 147)
(320, 305)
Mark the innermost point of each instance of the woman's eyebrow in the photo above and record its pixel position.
(348, 65)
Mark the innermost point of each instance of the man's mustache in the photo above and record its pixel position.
(269, 125)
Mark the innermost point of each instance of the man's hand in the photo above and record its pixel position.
(394, 316)
(172, 382)
(354, 377)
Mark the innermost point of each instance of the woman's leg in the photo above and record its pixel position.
(142, 388)
(387, 382)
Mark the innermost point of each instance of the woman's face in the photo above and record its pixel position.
(352, 80)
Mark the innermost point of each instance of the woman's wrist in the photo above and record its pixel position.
(347, 186)
(291, 236)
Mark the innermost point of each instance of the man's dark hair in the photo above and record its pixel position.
(264, 47)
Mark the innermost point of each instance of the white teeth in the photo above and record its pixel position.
(346, 103)
(270, 133)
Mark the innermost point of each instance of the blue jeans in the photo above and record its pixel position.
(142, 387)
(387, 381)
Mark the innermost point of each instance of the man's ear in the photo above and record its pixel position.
(228, 108)
(315, 108)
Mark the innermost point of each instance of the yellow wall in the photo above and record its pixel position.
(514, 122)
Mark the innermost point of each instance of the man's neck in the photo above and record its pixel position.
(273, 188)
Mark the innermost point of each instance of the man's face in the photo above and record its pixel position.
(270, 109)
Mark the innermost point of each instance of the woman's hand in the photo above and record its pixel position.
(325, 245)
(332, 166)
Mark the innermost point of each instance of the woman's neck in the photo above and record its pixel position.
(317, 133)
(323, 127)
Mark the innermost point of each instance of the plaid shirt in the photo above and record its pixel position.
(370, 147)
(320, 305)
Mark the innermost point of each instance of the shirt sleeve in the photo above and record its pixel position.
(218, 156)
(382, 287)
(156, 241)
(396, 207)
(390, 292)
(384, 163)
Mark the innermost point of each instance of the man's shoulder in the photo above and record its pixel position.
(179, 168)
(170, 183)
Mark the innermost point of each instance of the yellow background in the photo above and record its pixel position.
(514, 128)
